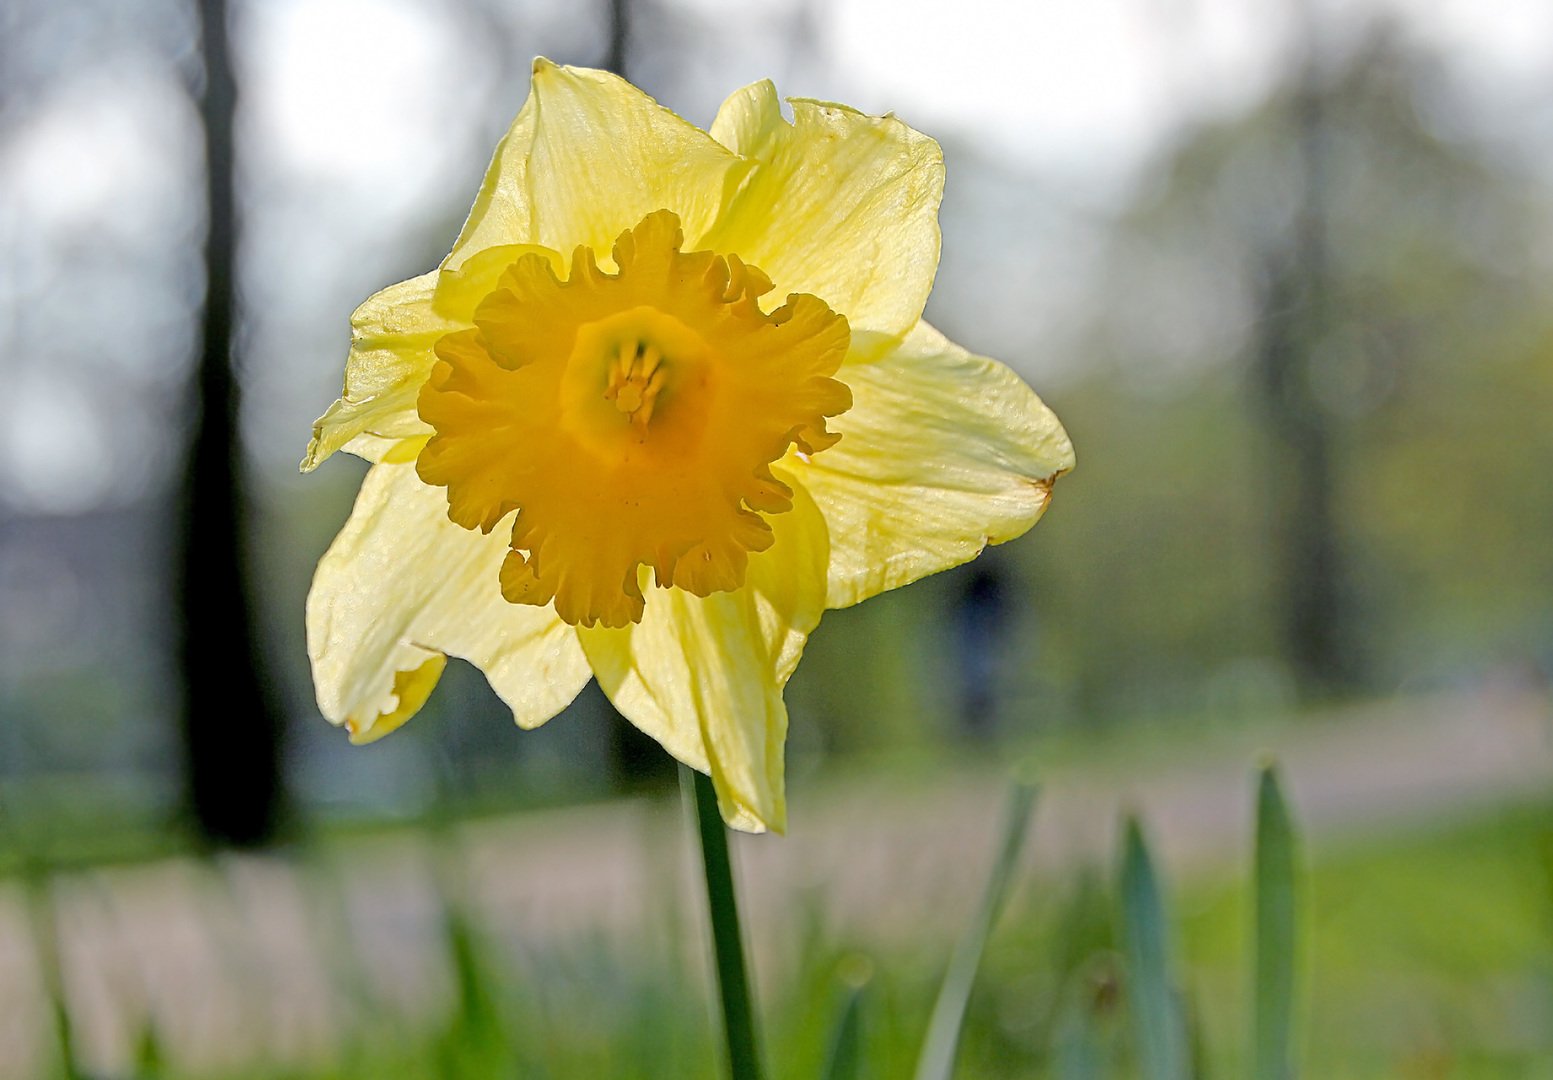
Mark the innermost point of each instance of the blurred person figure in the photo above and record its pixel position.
(980, 621)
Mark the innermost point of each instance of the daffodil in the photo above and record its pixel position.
(602, 449)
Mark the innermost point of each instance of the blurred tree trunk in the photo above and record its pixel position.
(230, 727)
(619, 39)
(1297, 315)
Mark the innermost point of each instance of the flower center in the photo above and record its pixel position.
(634, 381)
(630, 419)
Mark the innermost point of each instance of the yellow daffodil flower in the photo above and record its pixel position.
(591, 397)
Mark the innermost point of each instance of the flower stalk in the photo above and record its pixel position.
(733, 982)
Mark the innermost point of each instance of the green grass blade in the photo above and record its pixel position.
(1273, 977)
(149, 1059)
(943, 1033)
(475, 1042)
(844, 1061)
(45, 935)
(1156, 1009)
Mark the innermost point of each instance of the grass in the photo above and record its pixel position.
(1428, 954)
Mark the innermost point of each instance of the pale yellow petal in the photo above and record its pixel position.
(400, 587)
(411, 689)
(588, 157)
(750, 119)
(704, 676)
(391, 339)
(841, 205)
(392, 336)
(503, 210)
(941, 454)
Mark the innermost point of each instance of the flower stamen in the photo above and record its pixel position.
(635, 380)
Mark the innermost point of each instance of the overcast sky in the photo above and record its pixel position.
(1084, 89)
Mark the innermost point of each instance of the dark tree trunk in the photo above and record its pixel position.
(619, 40)
(230, 727)
(1297, 315)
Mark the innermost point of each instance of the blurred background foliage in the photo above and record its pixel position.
(1141, 298)
(1282, 271)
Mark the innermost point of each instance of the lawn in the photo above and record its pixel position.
(1425, 952)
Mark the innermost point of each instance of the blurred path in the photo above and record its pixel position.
(265, 953)
(1371, 769)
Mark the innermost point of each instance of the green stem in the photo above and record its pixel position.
(733, 983)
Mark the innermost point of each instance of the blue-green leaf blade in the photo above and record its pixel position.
(1076, 1053)
(1159, 1027)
